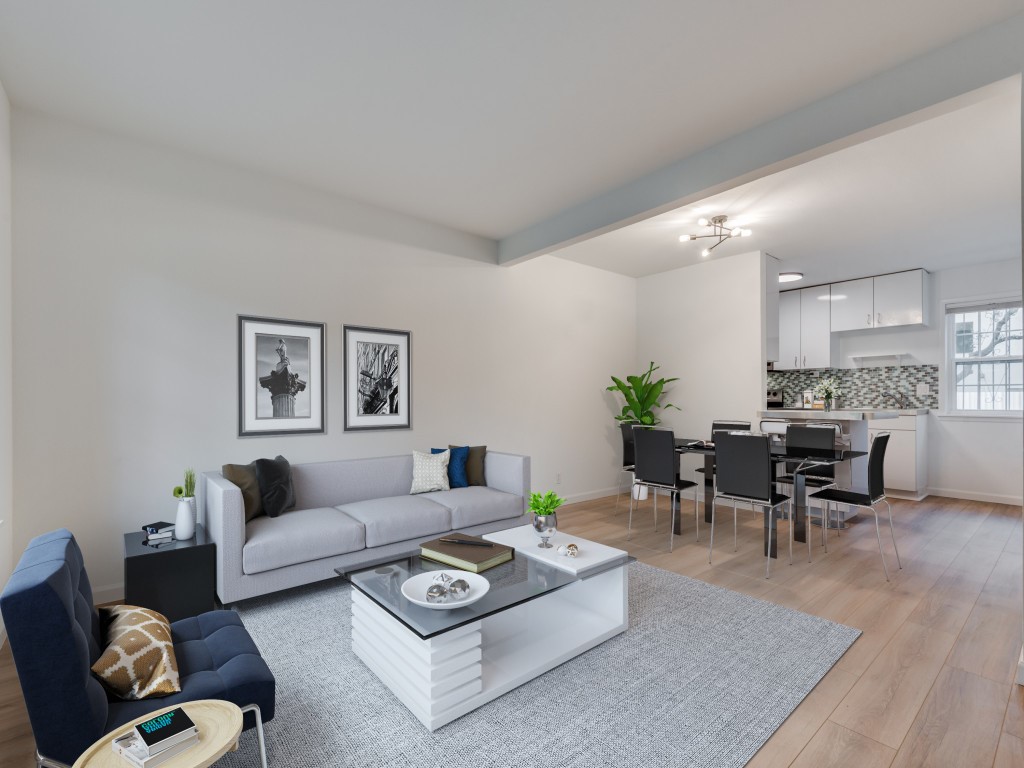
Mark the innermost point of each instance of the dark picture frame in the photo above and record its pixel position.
(378, 378)
(281, 377)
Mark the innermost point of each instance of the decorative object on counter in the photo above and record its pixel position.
(642, 396)
(719, 231)
(828, 389)
(545, 522)
(185, 522)
(569, 550)
(807, 400)
(280, 377)
(378, 378)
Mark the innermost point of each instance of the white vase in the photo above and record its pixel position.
(185, 522)
(640, 492)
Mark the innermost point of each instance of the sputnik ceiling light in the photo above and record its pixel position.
(720, 232)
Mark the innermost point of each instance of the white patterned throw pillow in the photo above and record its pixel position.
(430, 471)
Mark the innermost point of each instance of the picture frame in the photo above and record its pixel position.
(378, 378)
(281, 377)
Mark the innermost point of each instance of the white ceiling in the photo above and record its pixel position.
(937, 194)
(484, 115)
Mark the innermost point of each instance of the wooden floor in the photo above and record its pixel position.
(929, 683)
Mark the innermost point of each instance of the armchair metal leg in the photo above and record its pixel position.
(259, 732)
(893, 534)
(48, 762)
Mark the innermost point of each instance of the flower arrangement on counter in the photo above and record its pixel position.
(828, 389)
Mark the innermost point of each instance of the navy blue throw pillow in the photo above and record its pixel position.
(456, 465)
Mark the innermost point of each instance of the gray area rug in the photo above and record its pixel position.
(702, 677)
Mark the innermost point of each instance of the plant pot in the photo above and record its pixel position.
(828, 404)
(640, 492)
(545, 526)
(185, 522)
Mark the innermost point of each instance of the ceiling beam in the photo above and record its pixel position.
(842, 119)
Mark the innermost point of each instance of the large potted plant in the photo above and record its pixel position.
(643, 395)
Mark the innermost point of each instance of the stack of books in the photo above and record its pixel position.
(159, 739)
(158, 532)
(468, 553)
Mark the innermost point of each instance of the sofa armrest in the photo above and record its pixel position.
(225, 524)
(508, 472)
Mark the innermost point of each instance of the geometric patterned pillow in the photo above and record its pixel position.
(430, 471)
(138, 661)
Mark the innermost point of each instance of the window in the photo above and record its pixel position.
(985, 357)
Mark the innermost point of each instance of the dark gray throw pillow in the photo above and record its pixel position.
(276, 491)
(475, 464)
(244, 476)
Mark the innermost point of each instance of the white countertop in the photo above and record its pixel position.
(844, 414)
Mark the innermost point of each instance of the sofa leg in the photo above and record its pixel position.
(46, 762)
(259, 732)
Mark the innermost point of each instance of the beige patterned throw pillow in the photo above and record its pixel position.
(430, 471)
(139, 658)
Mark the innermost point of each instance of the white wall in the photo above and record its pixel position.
(6, 332)
(703, 323)
(132, 263)
(971, 458)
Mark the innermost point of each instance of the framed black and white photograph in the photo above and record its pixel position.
(281, 382)
(378, 379)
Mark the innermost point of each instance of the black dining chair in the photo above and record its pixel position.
(745, 474)
(657, 467)
(628, 460)
(725, 426)
(875, 494)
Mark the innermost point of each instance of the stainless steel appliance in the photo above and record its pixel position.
(775, 398)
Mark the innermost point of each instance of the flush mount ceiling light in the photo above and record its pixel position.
(790, 277)
(720, 232)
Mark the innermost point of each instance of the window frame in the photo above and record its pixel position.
(949, 389)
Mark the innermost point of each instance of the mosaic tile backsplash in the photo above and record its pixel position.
(863, 386)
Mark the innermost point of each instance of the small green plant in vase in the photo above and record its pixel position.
(545, 523)
(828, 390)
(185, 522)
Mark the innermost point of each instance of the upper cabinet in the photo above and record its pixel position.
(815, 328)
(899, 299)
(879, 302)
(789, 331)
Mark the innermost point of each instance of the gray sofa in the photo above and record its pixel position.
(348, 513)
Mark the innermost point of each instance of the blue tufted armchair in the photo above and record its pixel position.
(54, 632)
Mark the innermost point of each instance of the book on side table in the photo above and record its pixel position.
(468, 553)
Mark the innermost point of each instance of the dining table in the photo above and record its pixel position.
(805, 458)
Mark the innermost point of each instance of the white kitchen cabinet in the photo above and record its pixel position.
(906, 457)
(853, 305)
(789, 331)
(815, 327)
(900, 299)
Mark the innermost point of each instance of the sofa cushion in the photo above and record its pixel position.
(244, 476)
(276, 491)
(475, 465)
(477, 505)
(139, 661)
(298, 537)
(397, 518)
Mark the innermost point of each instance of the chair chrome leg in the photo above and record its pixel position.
(629, 525)
(711, 545)
(735, 546)
(768, 557)
(655, 492)
(792, 516)
(259, 732)
(893, 534)
(696, 513)
(878, 535)
(827, 512)
(672, 498)
(48, 762)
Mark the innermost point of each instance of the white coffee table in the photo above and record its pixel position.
(538, 613)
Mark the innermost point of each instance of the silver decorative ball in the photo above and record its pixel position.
(442, 578)
(563, 550)
(437, 593)
(458, 589)
(572, 550)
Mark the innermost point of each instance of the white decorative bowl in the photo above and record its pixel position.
(414, 589)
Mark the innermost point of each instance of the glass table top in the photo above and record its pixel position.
(512, 583)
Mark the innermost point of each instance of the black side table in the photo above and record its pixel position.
(177, 578)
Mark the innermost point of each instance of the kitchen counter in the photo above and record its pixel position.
(843, 414)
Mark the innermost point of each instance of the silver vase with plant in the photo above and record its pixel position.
(545, 523)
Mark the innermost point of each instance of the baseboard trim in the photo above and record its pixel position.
(1020, 668)
(992, 498)
(591, 495)
(109, 594)
(3, 636)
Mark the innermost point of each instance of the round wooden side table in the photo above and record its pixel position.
(219, 724)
